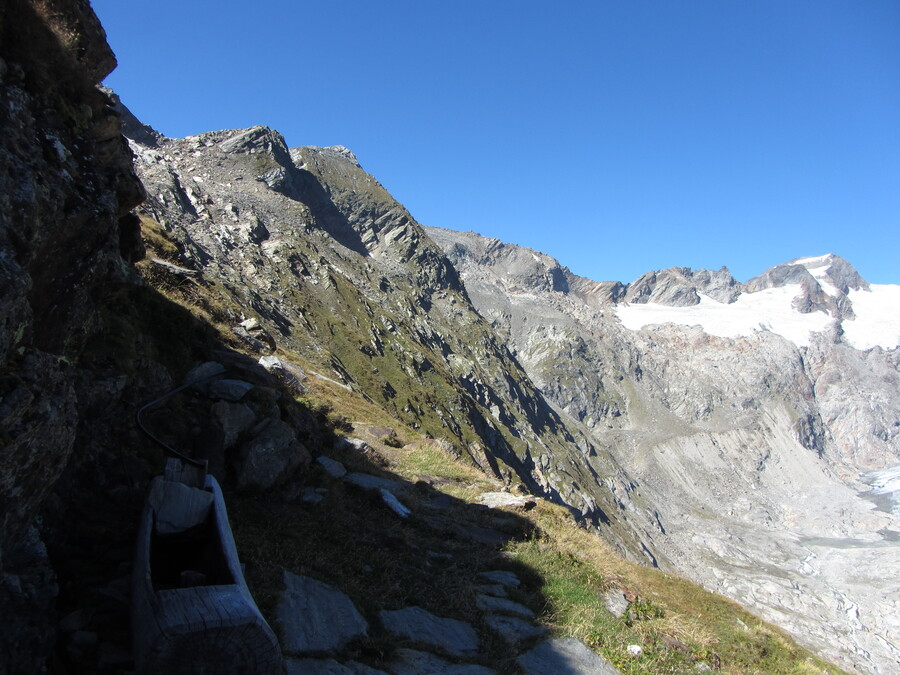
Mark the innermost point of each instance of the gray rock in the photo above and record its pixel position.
(350, 443)
(327, 667)
(287, 373)
(332, 467)
(496, 590)
(414, 662)
(374, 483)
(615, 602)
(498, 499)
(312, 495)
(394, 504)
(454, 637)
(513, 630)
(270, 457)
(503, 578)
(489, 603)
(566, 655)
(228, 390)
(234, 419)
(204, 370)
(314, 617)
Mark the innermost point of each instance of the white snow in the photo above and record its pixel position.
(877, 321)
(886, 482)
(766, 310)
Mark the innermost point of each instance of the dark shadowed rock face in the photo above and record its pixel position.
(66, 187)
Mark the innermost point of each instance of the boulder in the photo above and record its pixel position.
(234, 419)
(315, 617)
(270, 457)
(228, 390)
(456, 638)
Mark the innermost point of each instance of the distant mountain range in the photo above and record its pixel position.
(709, 427)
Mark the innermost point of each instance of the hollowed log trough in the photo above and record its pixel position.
(191, 610)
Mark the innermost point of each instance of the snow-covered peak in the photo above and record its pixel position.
(786, 300)
(771, 309)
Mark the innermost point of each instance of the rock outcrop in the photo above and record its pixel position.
(66, 189)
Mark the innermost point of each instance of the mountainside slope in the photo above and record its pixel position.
(746, 440)
(320, 255)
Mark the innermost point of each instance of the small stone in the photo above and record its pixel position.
(414, 662)
(332, 467)
(566, 655)
(513, 631)
(350, 443)
(394, 504)
(287, 373)
(634, 650)
(316, 617)
(616, 602)
(311, 496)
(456, 638)
(702, 667)
(488, 603)
(501, 577)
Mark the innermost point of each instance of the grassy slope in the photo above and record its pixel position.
(352, 541)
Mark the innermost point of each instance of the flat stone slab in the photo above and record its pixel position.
(332, 467)
(507, 579)
(414, 662)
(496, 500)
(489, 603)
(496, 590)
(367, 481)
(327, 667)
(315, 617)
(456, 638)
(565, 655)
(513, 630)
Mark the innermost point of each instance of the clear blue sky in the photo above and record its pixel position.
(618, 136)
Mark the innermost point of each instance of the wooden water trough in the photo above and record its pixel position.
(191, 610)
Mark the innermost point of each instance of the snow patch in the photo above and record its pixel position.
(887, 482)
(877, 321)
(767, 310)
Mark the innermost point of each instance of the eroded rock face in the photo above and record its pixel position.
(325, 260)
(742, 454)
(66, 189)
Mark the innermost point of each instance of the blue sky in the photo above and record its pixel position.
(618, 136)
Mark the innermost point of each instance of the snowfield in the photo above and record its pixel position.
(767, 310)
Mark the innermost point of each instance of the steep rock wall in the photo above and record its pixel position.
(66, 187)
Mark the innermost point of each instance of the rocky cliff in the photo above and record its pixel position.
(744, 414)
(66, 236)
